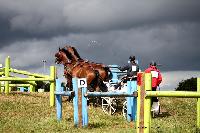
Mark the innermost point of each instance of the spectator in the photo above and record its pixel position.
(156, 80)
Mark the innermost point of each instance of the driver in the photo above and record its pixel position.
(132, 68)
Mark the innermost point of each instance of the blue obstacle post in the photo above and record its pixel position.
(75, 101)
(134, 89)
(84, 108)
(58, 100)
(131, 101)
(59, 93)
(21, 89)
(80, 103)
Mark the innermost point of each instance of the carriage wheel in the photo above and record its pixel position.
(124, 110)
(107, 105)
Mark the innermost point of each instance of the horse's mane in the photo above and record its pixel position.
(76, 53)
(68, 54)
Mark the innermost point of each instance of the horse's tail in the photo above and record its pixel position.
(99, 80)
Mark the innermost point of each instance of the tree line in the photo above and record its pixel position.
(187, 85)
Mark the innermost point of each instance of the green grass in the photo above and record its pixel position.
(179, 115)
(30, 113)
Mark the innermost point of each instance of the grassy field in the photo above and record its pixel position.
(30, 113)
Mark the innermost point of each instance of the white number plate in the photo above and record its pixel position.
(133, 68)
(154, 74)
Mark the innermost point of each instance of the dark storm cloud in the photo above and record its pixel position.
(175, 46)
(43, 19)
(22, 20)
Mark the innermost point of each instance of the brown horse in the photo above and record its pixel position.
(101, 68)
(78, 69)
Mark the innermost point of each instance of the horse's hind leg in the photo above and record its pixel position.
(97, 99)
(94, 100)
(91, 99)
(103, 86)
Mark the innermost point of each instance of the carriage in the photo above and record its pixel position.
(111, 105)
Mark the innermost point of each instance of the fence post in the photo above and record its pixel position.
(32, 87)
(147, 103)
(138, 108)
(141, 97)
(58, 100)
(7, 67)
(75, 101)
(1, 87)
(144, 104)
(134, 108)
(84, 108)
(52, 85)
(198, 104)
(131, 101)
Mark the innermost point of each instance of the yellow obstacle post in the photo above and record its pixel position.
(138, 104)
(32, 87)
(7, 67)
(52, 85)
(147, 103)
(0, 87)
(144, 105)
(138, 107)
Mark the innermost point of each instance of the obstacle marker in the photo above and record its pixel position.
(80, 101)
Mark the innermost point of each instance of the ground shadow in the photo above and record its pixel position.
(162, 114)
(30, 94)
(97, 125)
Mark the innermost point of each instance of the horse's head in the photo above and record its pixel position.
(61, 57)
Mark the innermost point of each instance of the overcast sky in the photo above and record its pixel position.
(105, 31)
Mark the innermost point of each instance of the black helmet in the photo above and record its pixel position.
(153, 63)
(132, 57)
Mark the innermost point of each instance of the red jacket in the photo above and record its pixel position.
(156, 75)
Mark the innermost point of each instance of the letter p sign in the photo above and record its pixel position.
(82, 82)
